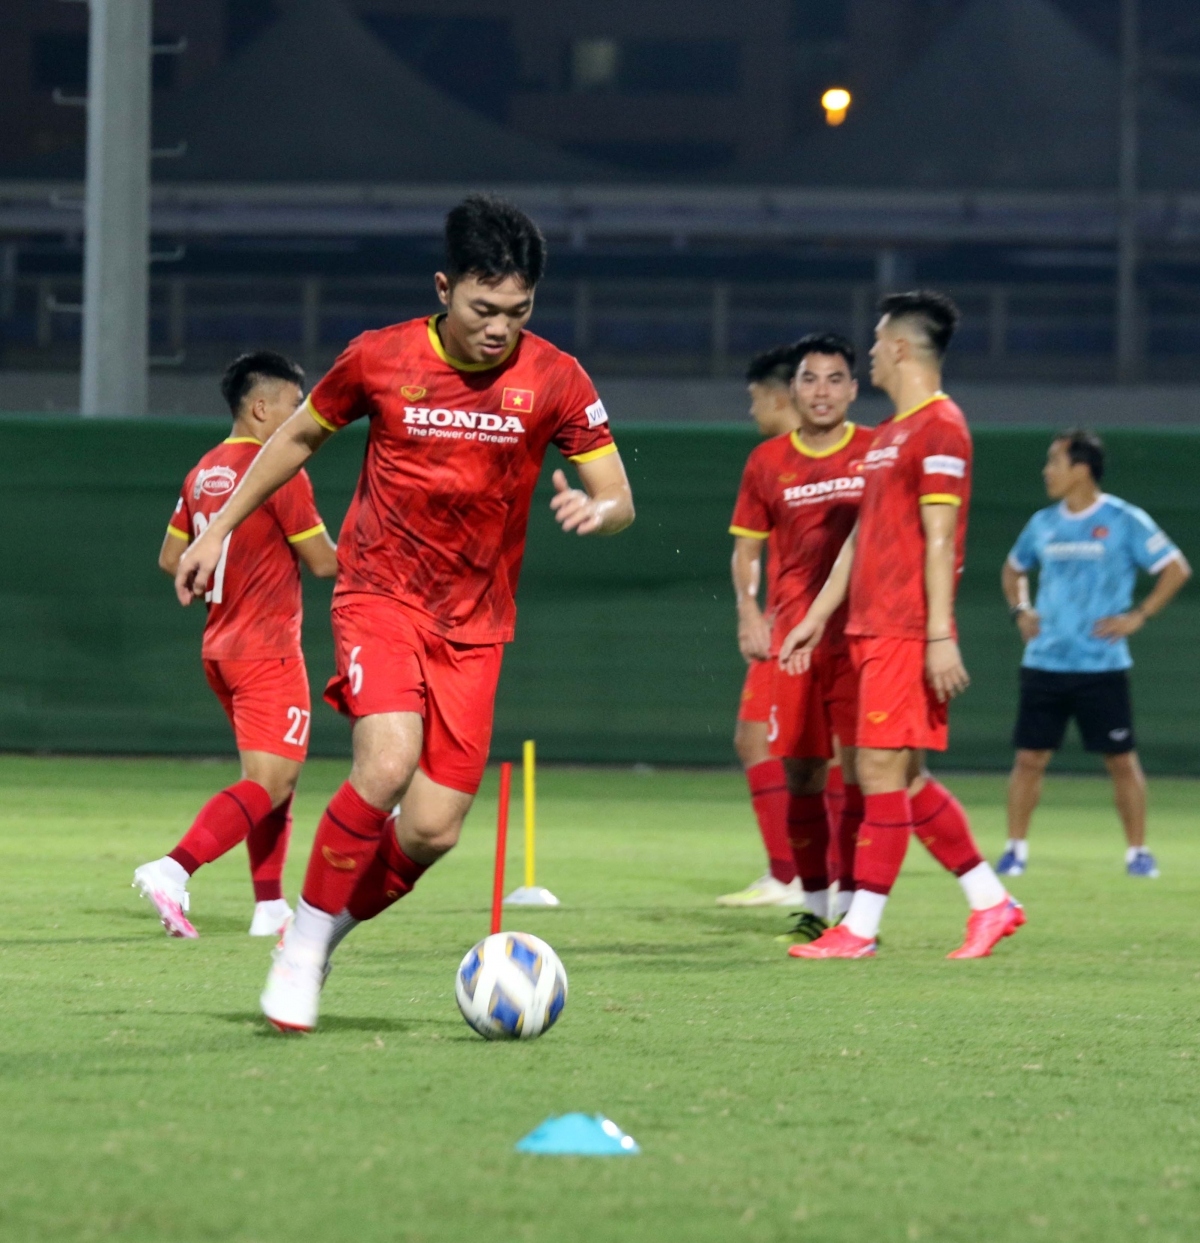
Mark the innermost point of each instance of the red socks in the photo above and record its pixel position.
(769, 795)
(835, 799)
(390, 875)
(848, 828)
(882, 841)
(223, 821)
(346, 841)
(808, 832)
(941, 823)
(267, 845)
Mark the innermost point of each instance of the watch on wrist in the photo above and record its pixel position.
(1016, 610)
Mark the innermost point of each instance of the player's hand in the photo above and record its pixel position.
(944, 669)
(196, 567)
(1120, 626)
(1029, 625)
(574, 509)
(795, 653)
(754, 633)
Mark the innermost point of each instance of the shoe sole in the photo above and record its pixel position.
(289, 1028)
(170, 915)
(826, 957)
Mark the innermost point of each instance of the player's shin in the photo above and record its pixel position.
(941, 823)
(267, 845)
(345, 844)
(878, 857)
(769, 797)
(389, 877)
(222, 823)
(848, 828)
(808, 833)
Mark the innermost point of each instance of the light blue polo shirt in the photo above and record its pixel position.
(1087, 565)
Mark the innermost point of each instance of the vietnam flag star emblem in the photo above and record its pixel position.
(517, 400)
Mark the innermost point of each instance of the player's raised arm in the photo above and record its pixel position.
(795, 653)
(281, 458)
(944, 668)
(603, 506)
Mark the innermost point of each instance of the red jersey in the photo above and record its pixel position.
(254, 604)
(453, 453)
(807, 501)
(920, 457)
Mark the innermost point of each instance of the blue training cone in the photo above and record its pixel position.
(579, 1135)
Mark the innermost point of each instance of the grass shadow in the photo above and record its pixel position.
(328, 1022)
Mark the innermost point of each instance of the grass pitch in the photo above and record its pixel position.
(1049, 1093)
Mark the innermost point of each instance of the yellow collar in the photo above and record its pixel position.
(440, 350)
(242, 440)
(938, 396)
(801, 447)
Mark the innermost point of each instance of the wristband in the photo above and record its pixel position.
(1017, 610)
(945, 638)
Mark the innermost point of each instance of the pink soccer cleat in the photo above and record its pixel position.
(169, 897)
(987, 928)
(837, 942)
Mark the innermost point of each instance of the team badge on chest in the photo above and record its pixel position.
(413, 392)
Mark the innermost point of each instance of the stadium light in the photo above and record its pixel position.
(835, 101)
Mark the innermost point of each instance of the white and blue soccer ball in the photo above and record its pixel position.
(511, 986)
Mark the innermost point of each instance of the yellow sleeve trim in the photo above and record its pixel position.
(593, 454)
(746, 533)
(940, 498)
(303, 535)
(177, 533)
(318, 418)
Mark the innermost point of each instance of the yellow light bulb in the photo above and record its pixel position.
(835, 101)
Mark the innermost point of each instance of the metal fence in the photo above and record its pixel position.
(655, 327)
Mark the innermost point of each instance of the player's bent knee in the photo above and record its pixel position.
(1034, 762)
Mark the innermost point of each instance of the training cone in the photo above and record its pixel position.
(531, 895)
(579, 1135)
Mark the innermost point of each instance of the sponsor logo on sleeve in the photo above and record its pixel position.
(518, 400)
(1157, 542)
(596, 413)
(944, 464)
(214, 481)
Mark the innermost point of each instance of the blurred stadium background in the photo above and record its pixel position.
(1039, 159)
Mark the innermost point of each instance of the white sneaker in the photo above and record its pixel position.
(766, 891)
(292, 996)
(170, 898)
(270, 918)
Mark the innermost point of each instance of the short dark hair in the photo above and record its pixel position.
(492, 239)
(774, 366)
(830, 343)
(934, 312)
(247, 370)
(1084, 446)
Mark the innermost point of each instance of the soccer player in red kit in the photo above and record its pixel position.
(803, 490)
(462, 407)
(251, 651)
(901, 568)
(768, 381)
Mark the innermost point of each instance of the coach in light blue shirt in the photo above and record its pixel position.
(1087, 551)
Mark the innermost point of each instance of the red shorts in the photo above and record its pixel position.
(755, 704)
(809, 709)
(896, 706)
(386, 663)
(266, 702)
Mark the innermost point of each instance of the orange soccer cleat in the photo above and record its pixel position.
(987, 928)
(836, 942)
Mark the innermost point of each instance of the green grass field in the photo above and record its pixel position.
(1048, 1093)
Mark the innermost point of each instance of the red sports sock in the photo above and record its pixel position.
(941, 823)
(390, 876)
(346, 841)
(808, 832)
(268, 847)
(223, 821)
(769, 795)
(848, 827)
(835, 799)
(882, 841)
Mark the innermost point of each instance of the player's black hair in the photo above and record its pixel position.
(830, 343)
(248, 369)
(492, 239)
(934, 312)
(1084, 446)
(775, 366)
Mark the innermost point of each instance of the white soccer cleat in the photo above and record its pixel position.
(292, 997)
(169, 897)
(270, 918)
(766, 891)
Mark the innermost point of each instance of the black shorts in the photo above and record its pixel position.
(1099, 702)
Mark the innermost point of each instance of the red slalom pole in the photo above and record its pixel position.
(501, 843)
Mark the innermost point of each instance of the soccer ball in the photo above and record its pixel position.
(511, 986)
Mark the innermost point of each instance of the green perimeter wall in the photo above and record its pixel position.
(625, 649)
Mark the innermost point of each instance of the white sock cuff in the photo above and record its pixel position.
(866, 913)
(982, 887)
(174, 870)
(817, 901)
(312, 928)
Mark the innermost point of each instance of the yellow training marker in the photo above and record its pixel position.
(530, 893)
